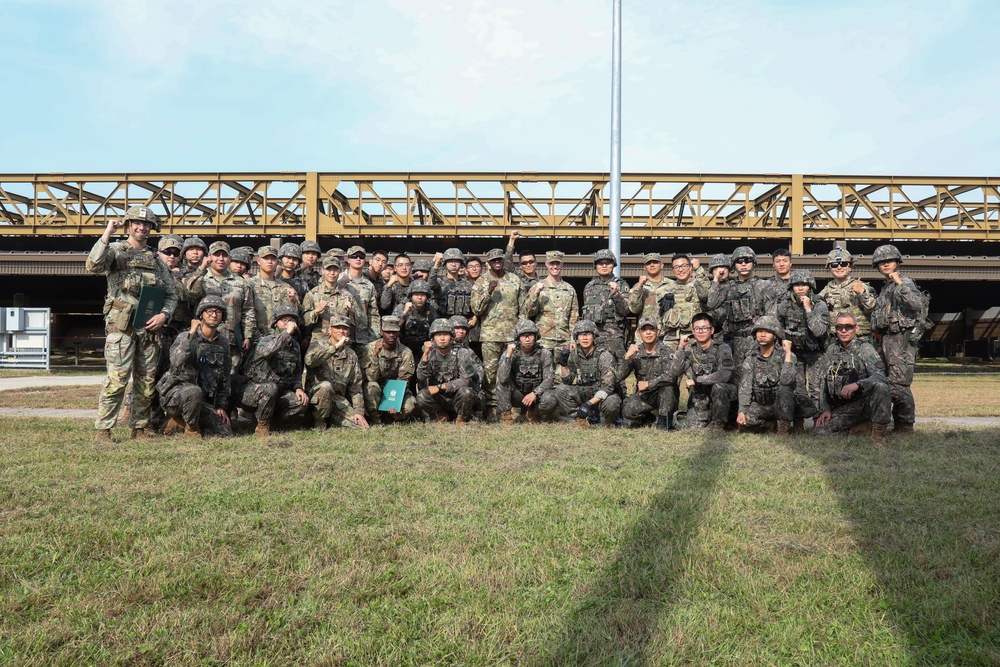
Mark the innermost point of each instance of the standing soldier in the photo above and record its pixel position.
(309, 273)
(269, 291)
(589, 380)
(498, 301)
(473, 270)
(525, 376)
(781, 260)
(329, 299)
(527, 267)
(656, 387)
(240, 324)
(707, 366)
(767, 383)
(379, 260)
(274, 373)
(289, 258)
(369, 319)
(718, 270)
(845, 293)
(130, 351)
(454, 292)
(899, 319)
(386, 360)
(553, 305)
(193, 251)
(805, 320)
(394, 292)
(854, 387)
(415, 316)
(239, 262)
(689, 289)
(195, 391)
(448, 375)
(605, 303)
(644, 299)
(333, 379)
(169, 249)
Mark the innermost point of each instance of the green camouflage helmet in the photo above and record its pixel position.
(584, 326)
(290, 250)
(886, 252)
(193, 242)
(744, 251)
(459, 322)
(802, 277)
(285, 311)
(142, 214)
(240, 255)
(526, 327)
(441, 325)
(768, 323)
(605, 255)
(418, 287)
(310, 246)
(720, 260)
(422, 265)
(453, 254)
(211, 301)
(839, 255)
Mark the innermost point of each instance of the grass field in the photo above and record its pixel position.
(487, 546)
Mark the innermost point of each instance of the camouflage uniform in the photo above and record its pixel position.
(767, 388)
(368, 317)
(555, 310)
(743, 302)
(589, 376)
(711, 369)
(858, 362)
(198, 382)
(842, 298)
(311, 277)
(380, 364)
(661, 395)
(340, 302)
(273, 373)
(392, 296)
(807, 331)
(521, 374)
(498, 314)
(333, 382)
(645, 301)
(129, 352)
(609, 312)
(241, 317)
(454, 296)
(457, 369)
(268, 296)
(688, 300)
(415, 324)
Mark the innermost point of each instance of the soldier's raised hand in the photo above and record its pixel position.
(695, 264)
(642, 281)
(684, 341)
(320, 307)
(896, 277)
(787, 347)
(194, 327)
(633, 350)
(291, 326)
(438, 256)
(805, 301)
(613, 287)
(510, 349)
(205, 261)
(493, 285)
(857, 287)
(514, 236)
(690, 382)
(408, 307)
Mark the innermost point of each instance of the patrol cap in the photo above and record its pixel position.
(553, 256)
(340, 321)
(355, 249)
(167, 242)
(496, 253)
(457, 322)
(648, 322)
(441, 325)
(310, 246)
(652, 257)
(390, 323)
(331, 261)
(290, 250)
(217, 246)
(266, 251)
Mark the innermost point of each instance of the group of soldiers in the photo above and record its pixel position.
(296, 333)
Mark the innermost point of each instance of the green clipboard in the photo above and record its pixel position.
(150, 303)
(392, 395)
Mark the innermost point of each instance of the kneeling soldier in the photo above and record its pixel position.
(333, 378)
(655, 385)
(525, 375)
(709, 369)
(767, 382)
(449, 376)
(274, 372)
(854, 389)
(195, 391)
(385, 360)
(589, 379)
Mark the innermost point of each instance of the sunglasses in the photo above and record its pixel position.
(171, 253)
(526, 262)
(845, 327)
(838, 265)
(356, 257)
(743, 260)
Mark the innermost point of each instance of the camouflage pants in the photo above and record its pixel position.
(373, 396)
(187, 401)
(492, 351)
(570, 397)
(808, 382)
(783, 409)
(331, 406)
(709, 403)
(509, 396)
(874, 406)
(556, 348)
(134, 356)
(662, 401)
(743, 346)
(266, 402)
(461, 402)
(900, 356)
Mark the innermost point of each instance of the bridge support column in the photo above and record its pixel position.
(312, 206)
(798, 196)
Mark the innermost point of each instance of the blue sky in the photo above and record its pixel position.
(266, 85)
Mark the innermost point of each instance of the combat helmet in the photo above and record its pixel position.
(240, 255)
(839, 254)
(886, 252)
(418, 286)
(604, 255)
(459, 322)
(526, 327)
(802, 277)
(584, 326)
(441, 325)
(290, 250)
(453, 254)
(193, 242)
(768, 323)
(720, 260)
(142, 214)
(310, 246)
(211, 301)
(284, 311)
(744, 251)
(422, 265)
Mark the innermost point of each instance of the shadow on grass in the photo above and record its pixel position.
(926, 516)
(616, 620)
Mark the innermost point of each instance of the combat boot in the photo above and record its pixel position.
(507, 418)
(864, 428)
(103, 437)
(376, 419)
(610, 423)
(461, 419)
(717, 427)
(878, 435)
(441, 418)
(662, 423)
(192, 431)
(799, 425)
(533, 417)
(263, 428)
(783, 427)
(319, 423)
(582, 422)
(173, 425)
(903, 428)
(143, 433)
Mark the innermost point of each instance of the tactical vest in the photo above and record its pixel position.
(447, 369)
(766, 378)
(280, 368)
(704, 362)
(685, 306)
(587, 372)
(797, 328)
(842, 372)
(417, 329)
(892, 315)
(208, 370)
(598, 306)
(740, 311)
(456, 298)
(529, 370)
(839, 299)
(124, 286)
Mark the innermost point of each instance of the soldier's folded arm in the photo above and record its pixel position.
(787, 374)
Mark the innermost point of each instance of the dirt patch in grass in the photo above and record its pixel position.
(957, 395)
(72, 398)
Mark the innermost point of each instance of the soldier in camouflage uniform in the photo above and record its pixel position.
(781, 260)
(899, 320)
(386, 360)
(240, 325)
(744, 297)
(767, 383)
(460, 329)
(454, 292)
(718, 270)
(845, 293)
(553, 305)
(525, 377)
(240, 260)
(605, 303)
(498, 301)
(473, 271)
(195, 391)
(805, 321)
(369, 319)
(269, 291)
(169, 250)
(193, 252)
(130, 352)
(689, 290)
(415, 316)
(854, 386)
(329, 299)
(656, 386)
(394, 292)
(707, 367)
(526, 268)
(273, 371)
(289, 260)
(449, 377)
(334, 379)
(589, 380)
(310, 273)
(376, 264)
(651, 288)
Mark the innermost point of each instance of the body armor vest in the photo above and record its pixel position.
(587, 373)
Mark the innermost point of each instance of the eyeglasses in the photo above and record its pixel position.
(171, 253)
(526, 262)
(213, 311)
(702, 329)
(838, 265)
(743, 260)
(844, 327)
(685, 265)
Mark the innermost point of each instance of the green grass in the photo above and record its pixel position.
(487, 546)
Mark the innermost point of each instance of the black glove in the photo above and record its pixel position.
(562, 357)
(583, 412)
